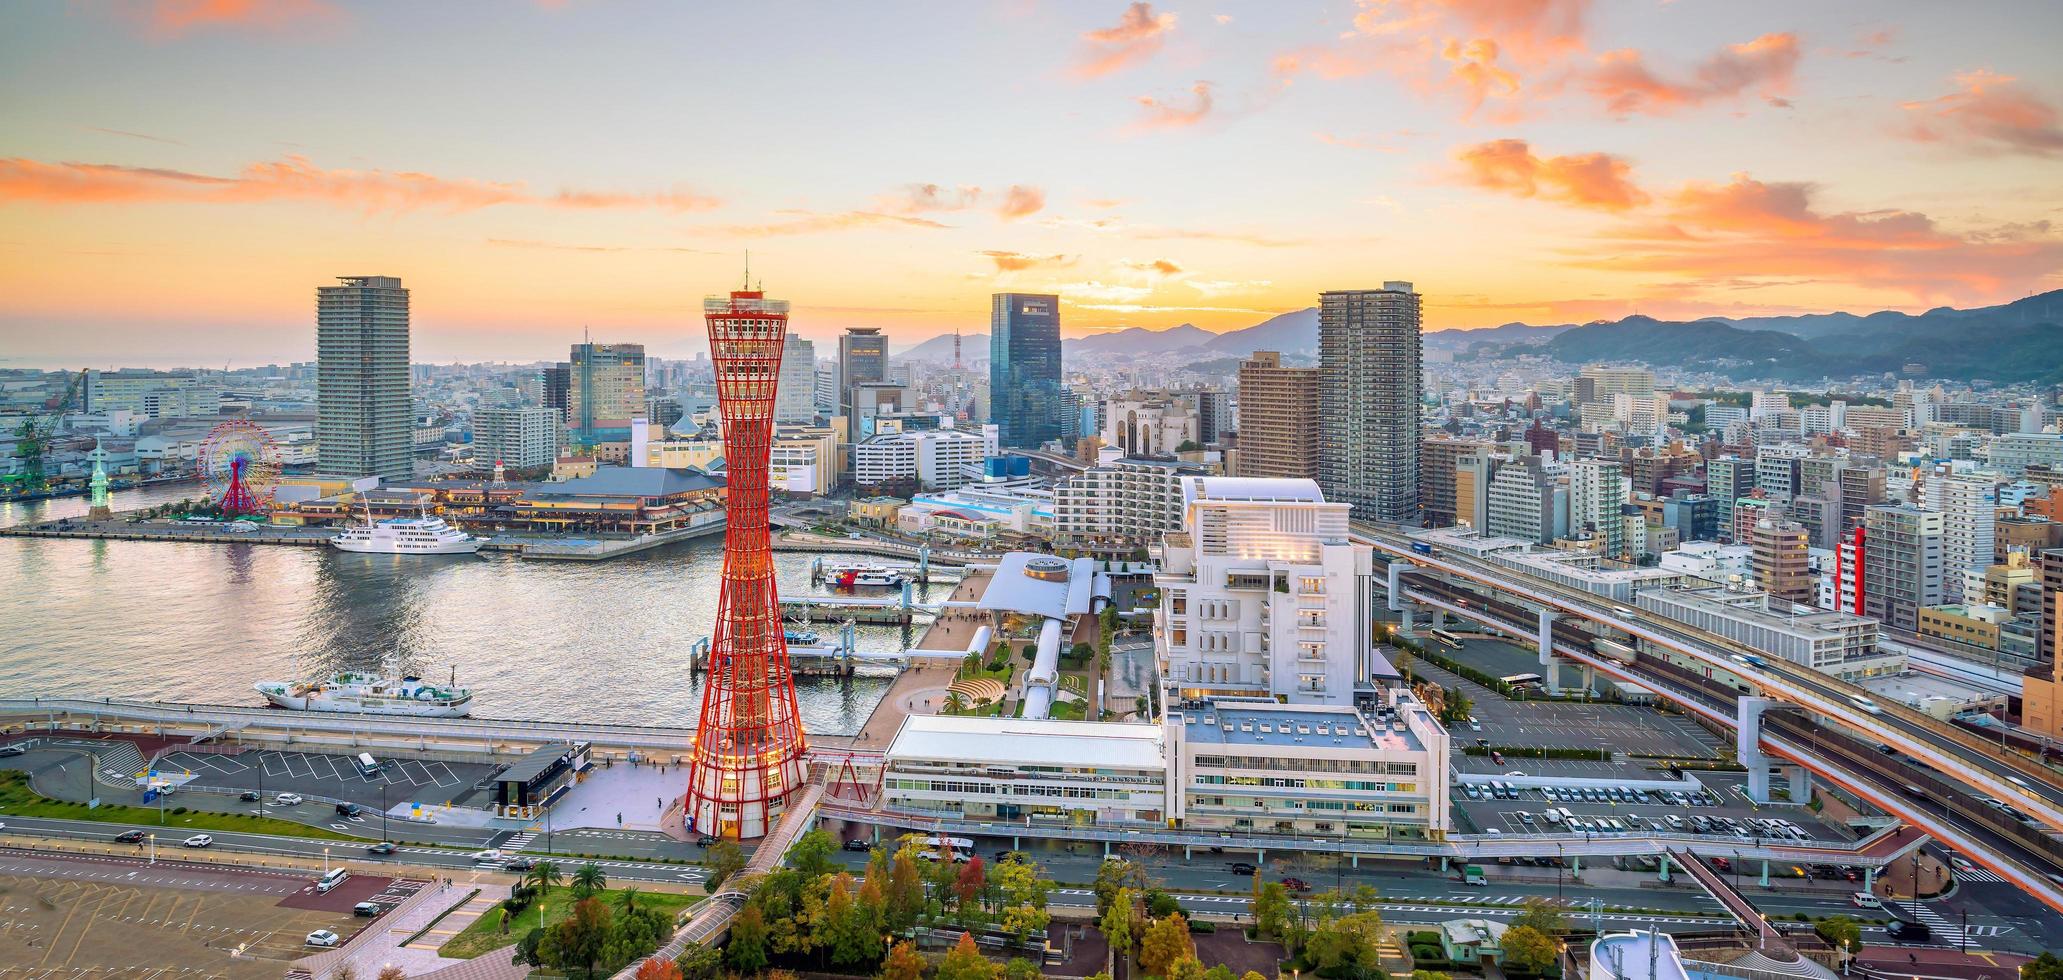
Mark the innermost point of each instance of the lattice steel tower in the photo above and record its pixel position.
(749, 745)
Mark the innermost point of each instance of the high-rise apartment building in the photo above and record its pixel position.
(1727, 480)
(1278, 418)
(1437, 456)
(1213, 415)
(605, 389)
(363, 417)
(795, 393)
(1600, 383)
(1781, 561)
(1263, 592)
(862, 359)
(1597, 495)
(1968, 502)
(1025, 393)
(1368, 400)
(2041, 709)
(1902, 563)
(525, 437)
(1522, 503)
(1127, 502)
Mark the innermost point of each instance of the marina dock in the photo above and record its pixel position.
(523, 545)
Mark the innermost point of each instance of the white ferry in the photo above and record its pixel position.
(865, 576)
(407, 536)
(370, 693)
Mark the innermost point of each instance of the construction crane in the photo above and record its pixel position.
(33, 437)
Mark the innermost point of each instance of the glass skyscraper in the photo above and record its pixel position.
(363, 416)
(1026, 400)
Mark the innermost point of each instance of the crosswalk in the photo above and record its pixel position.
(1979, 874)
(1944, 931)
(520, 841)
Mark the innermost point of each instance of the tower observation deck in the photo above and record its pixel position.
(749, 745)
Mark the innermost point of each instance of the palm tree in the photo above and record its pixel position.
(588, 880)
(543, 875)
(627, 902)
(956, 702)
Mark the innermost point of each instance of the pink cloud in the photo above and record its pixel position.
(1019, 262)
(920, 198)
(799, 222)
(1588, 180)
(175, 18)
(1021, 200)
(1627, 86)
(1137, 37)
(1989, 112)
(294, 178)
(1161, 114)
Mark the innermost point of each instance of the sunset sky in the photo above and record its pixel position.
(177, 177)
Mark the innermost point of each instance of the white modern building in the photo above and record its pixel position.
(1263, 592)
(517, 438)
(1968, 502)
(1712, 561)
(937, 459)
(1124, 501)
(1058, 773)
(1597, 493)
(1151, 423)
(795, 391)
(1841, 644)
(979, 513)
(1525, 501)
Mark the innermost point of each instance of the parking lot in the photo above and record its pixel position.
(315, 774)
(1633, 729)
(1724, 797)
(77, 916)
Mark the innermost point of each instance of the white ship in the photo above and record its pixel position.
(864, 576)
(407, 536)
(370, 693)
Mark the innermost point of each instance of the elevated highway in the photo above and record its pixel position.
(2029, 870)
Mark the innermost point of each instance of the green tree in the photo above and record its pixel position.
(627, 901)
(1844, 933)
(1187, 446)
(701, 962)
(1456, 707)
(811, 854)
(580, 937)
(588, 880)
(965, 962)
(746, 949)
(956, 703)
(1348, 946)
(1219, 972)
(852, 935)
(1271, 907)
(1160, 904)
(903, 963)
(724, 859)
(1023, 895)
(525, 951)
(1116, 925)
(1115, 876)
(1166, 940)
(543, 875)
(1191, 968)
(1429, 975)
(1019, 968)
(1528, 950)
(1544, 914)
(905, 898)
(2047, 966)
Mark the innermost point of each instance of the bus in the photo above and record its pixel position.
(935, 845)
(1447, 638)
(1521, 680)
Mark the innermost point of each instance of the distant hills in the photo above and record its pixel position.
(2017, 341)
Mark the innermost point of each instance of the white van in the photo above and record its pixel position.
(366, 766)
(333, 879)
(1553, 817)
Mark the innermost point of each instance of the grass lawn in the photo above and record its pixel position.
(18, 799)
(485, 936)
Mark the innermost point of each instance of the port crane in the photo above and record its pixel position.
(34, 435)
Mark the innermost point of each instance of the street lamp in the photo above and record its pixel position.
(325, 861)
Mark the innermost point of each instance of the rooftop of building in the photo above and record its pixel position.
(1254, 489)
(1763, 608)
(1033, 584)
(1256, 722)
(1019, 742)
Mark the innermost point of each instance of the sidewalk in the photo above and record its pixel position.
(420, 957)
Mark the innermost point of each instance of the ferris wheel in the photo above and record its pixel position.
(239, 463)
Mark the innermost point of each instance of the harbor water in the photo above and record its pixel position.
(600, 641)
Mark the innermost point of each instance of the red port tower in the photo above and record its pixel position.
(749, 745)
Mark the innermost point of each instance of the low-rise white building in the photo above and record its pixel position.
(1708, 560)
(1841, 644)
(1056, 772)
(937, 459)
(1125, 501)
(979, 513)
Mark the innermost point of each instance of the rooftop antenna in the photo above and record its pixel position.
(747, 284)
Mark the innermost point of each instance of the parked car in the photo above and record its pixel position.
(322, 937)
(365, 910)
(1496, 758)
(325, 884)
(858, 844)
(706, 840)
(198, 840)
(129, 837)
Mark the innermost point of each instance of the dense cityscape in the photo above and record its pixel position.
(1077, 639)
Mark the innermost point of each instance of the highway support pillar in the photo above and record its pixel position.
(1589, 680)
(1106, 848)
(1439, 618)
(1801, 786)
(1016, 843)
(1405, 626)
(1748, 745)
(1550, 668)
(1354, 861)
(1665, 867)
(1764, 880)
(1396, 585)
(1869, 879)
(1187, 853)
(1443, 865)
(1575, 865)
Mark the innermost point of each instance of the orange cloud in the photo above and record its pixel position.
(1748, 229)
(1534, 29)
(174, 18)
(1021, 200)
(294, 178)
(1589, 180)
(1167, 115)
(1019, 262)
(1991, 112)
(1477, 73)
(1137, 37)
(809, 222)
(1626, 86)
(1160, 268)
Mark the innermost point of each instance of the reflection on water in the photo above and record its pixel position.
(562, 641)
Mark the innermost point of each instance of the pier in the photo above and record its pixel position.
(545, 547)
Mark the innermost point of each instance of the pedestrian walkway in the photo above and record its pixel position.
(1945, 932)
(451, 925)
(519, 841)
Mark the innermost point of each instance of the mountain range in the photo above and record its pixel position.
(2017, 341)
